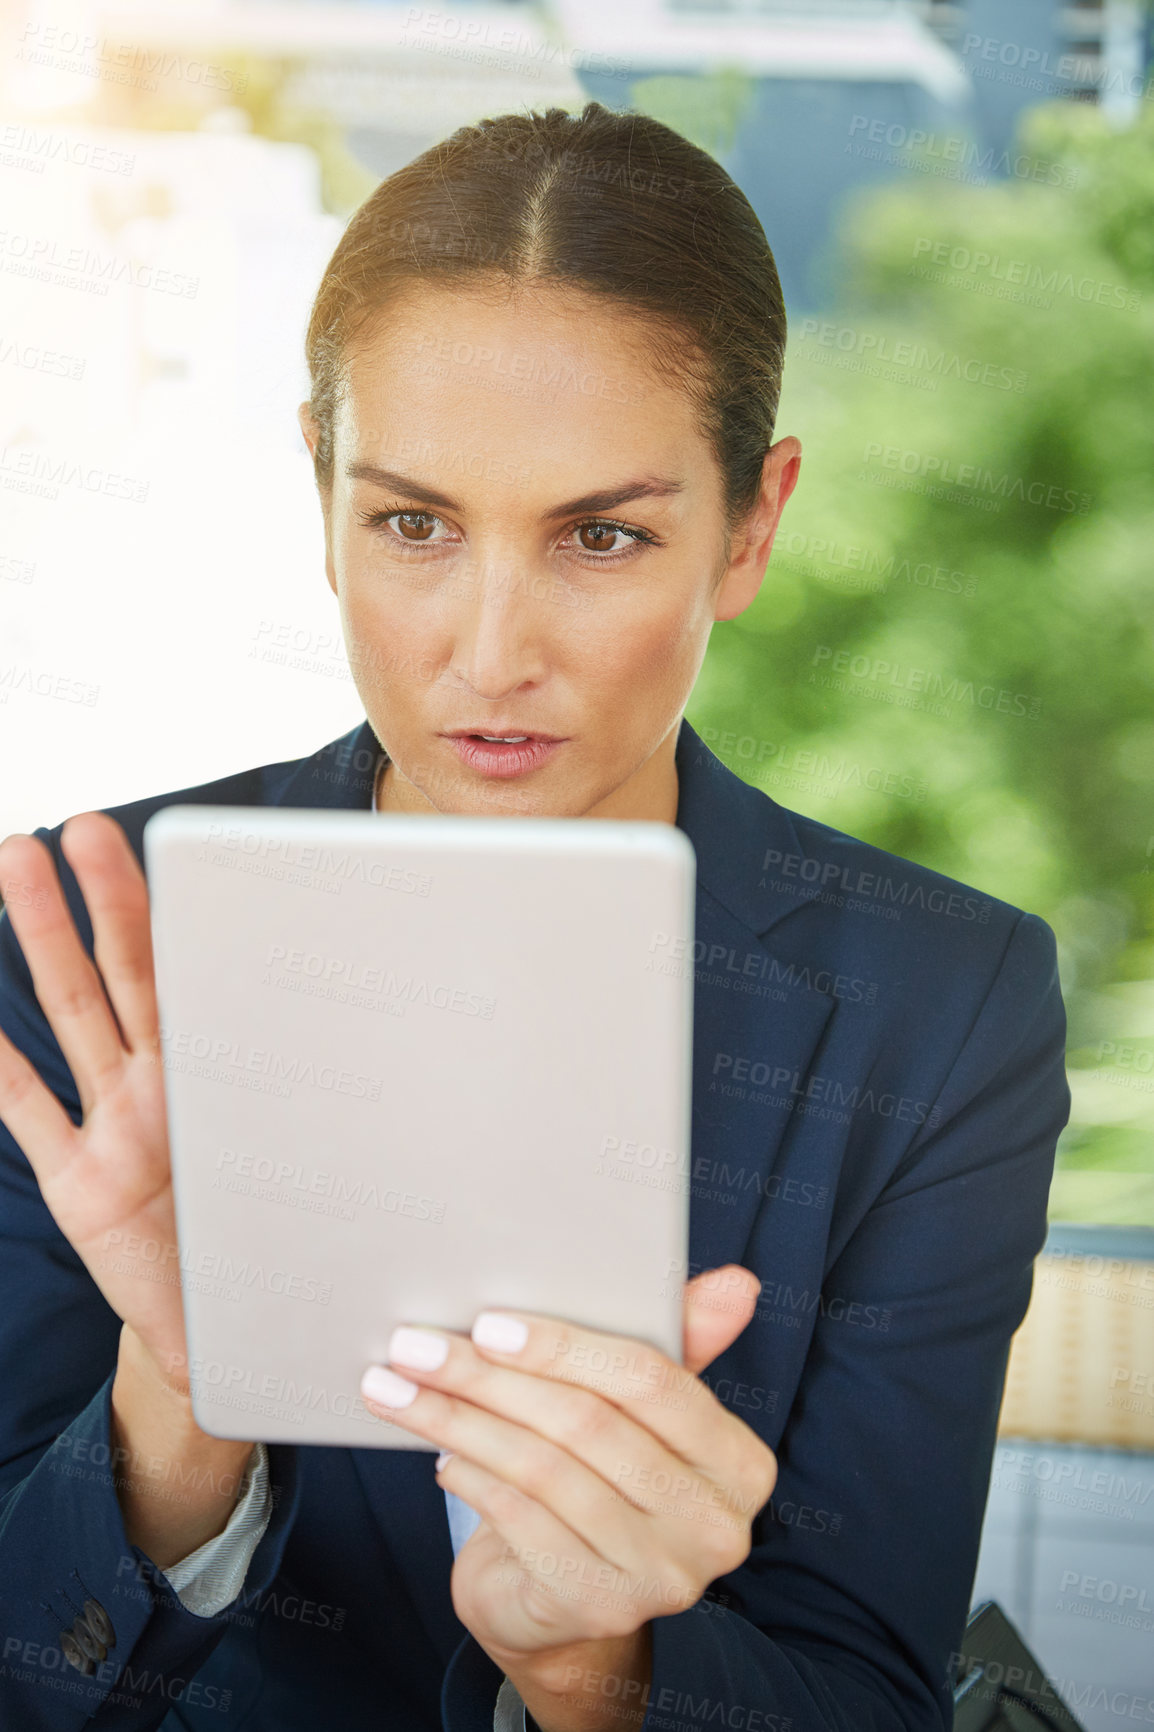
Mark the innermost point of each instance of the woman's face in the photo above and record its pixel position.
(525, 535)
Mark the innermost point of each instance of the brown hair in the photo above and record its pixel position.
(613, 203)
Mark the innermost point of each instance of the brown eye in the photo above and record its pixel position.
(601, 533)
(420, 517)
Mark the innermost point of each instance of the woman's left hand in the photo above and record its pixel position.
(611, 1483)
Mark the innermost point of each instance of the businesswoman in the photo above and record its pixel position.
(545, 364)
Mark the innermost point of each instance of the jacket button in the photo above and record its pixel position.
(99, 1622)
(74, 1654)
(87, 1640)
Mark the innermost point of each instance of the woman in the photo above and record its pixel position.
(545, 366)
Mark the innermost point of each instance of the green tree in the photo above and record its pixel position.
(953, 654)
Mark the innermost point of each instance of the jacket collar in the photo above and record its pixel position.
(749, 855)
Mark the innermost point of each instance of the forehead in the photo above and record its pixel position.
(543, 369)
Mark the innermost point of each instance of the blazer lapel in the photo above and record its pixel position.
(754, 1037)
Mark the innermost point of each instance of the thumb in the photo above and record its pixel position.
(719, 1303)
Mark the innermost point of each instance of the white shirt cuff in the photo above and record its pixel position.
(210, 1578)
(509, 1714)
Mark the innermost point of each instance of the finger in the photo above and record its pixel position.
(667, 1399)
(535, 1468)
(549, 1555)
(710, 1513)
(719, 1304)
(116, 895)
(663, 1398)
(33, 1115)
(65, 980)
(628, 1458)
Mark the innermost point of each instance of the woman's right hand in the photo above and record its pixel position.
(108, 1181)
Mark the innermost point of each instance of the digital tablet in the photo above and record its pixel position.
(415, 1067)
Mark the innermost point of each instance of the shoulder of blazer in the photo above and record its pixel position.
(765, 862)
(914, 949)
(338, 775)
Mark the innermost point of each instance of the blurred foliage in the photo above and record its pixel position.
(708, 108)
(1026, 311)
(260, 87)
(266, 99)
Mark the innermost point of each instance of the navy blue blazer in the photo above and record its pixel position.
(878, 1090)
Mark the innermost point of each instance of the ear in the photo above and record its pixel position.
(749, 557)
(310, 429)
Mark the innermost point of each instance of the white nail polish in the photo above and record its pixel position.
(423, 1349)
(384, 1386)
(503, 1334)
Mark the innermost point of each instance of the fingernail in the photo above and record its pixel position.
(445, 1455)
(381, 1384)
(423, 1349)
(503, 1334)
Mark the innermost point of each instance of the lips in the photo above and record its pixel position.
(503, 757)
(501, 734)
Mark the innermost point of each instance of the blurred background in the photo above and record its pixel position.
(953, 655)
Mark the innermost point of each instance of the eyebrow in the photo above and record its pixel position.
(604, 499)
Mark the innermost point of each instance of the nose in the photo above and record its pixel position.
(498, 632)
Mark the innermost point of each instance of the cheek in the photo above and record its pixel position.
(382, 606)
(654, 644)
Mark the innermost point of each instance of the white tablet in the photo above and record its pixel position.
(407, 1061)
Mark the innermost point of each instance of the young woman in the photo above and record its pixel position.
(545, 366)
